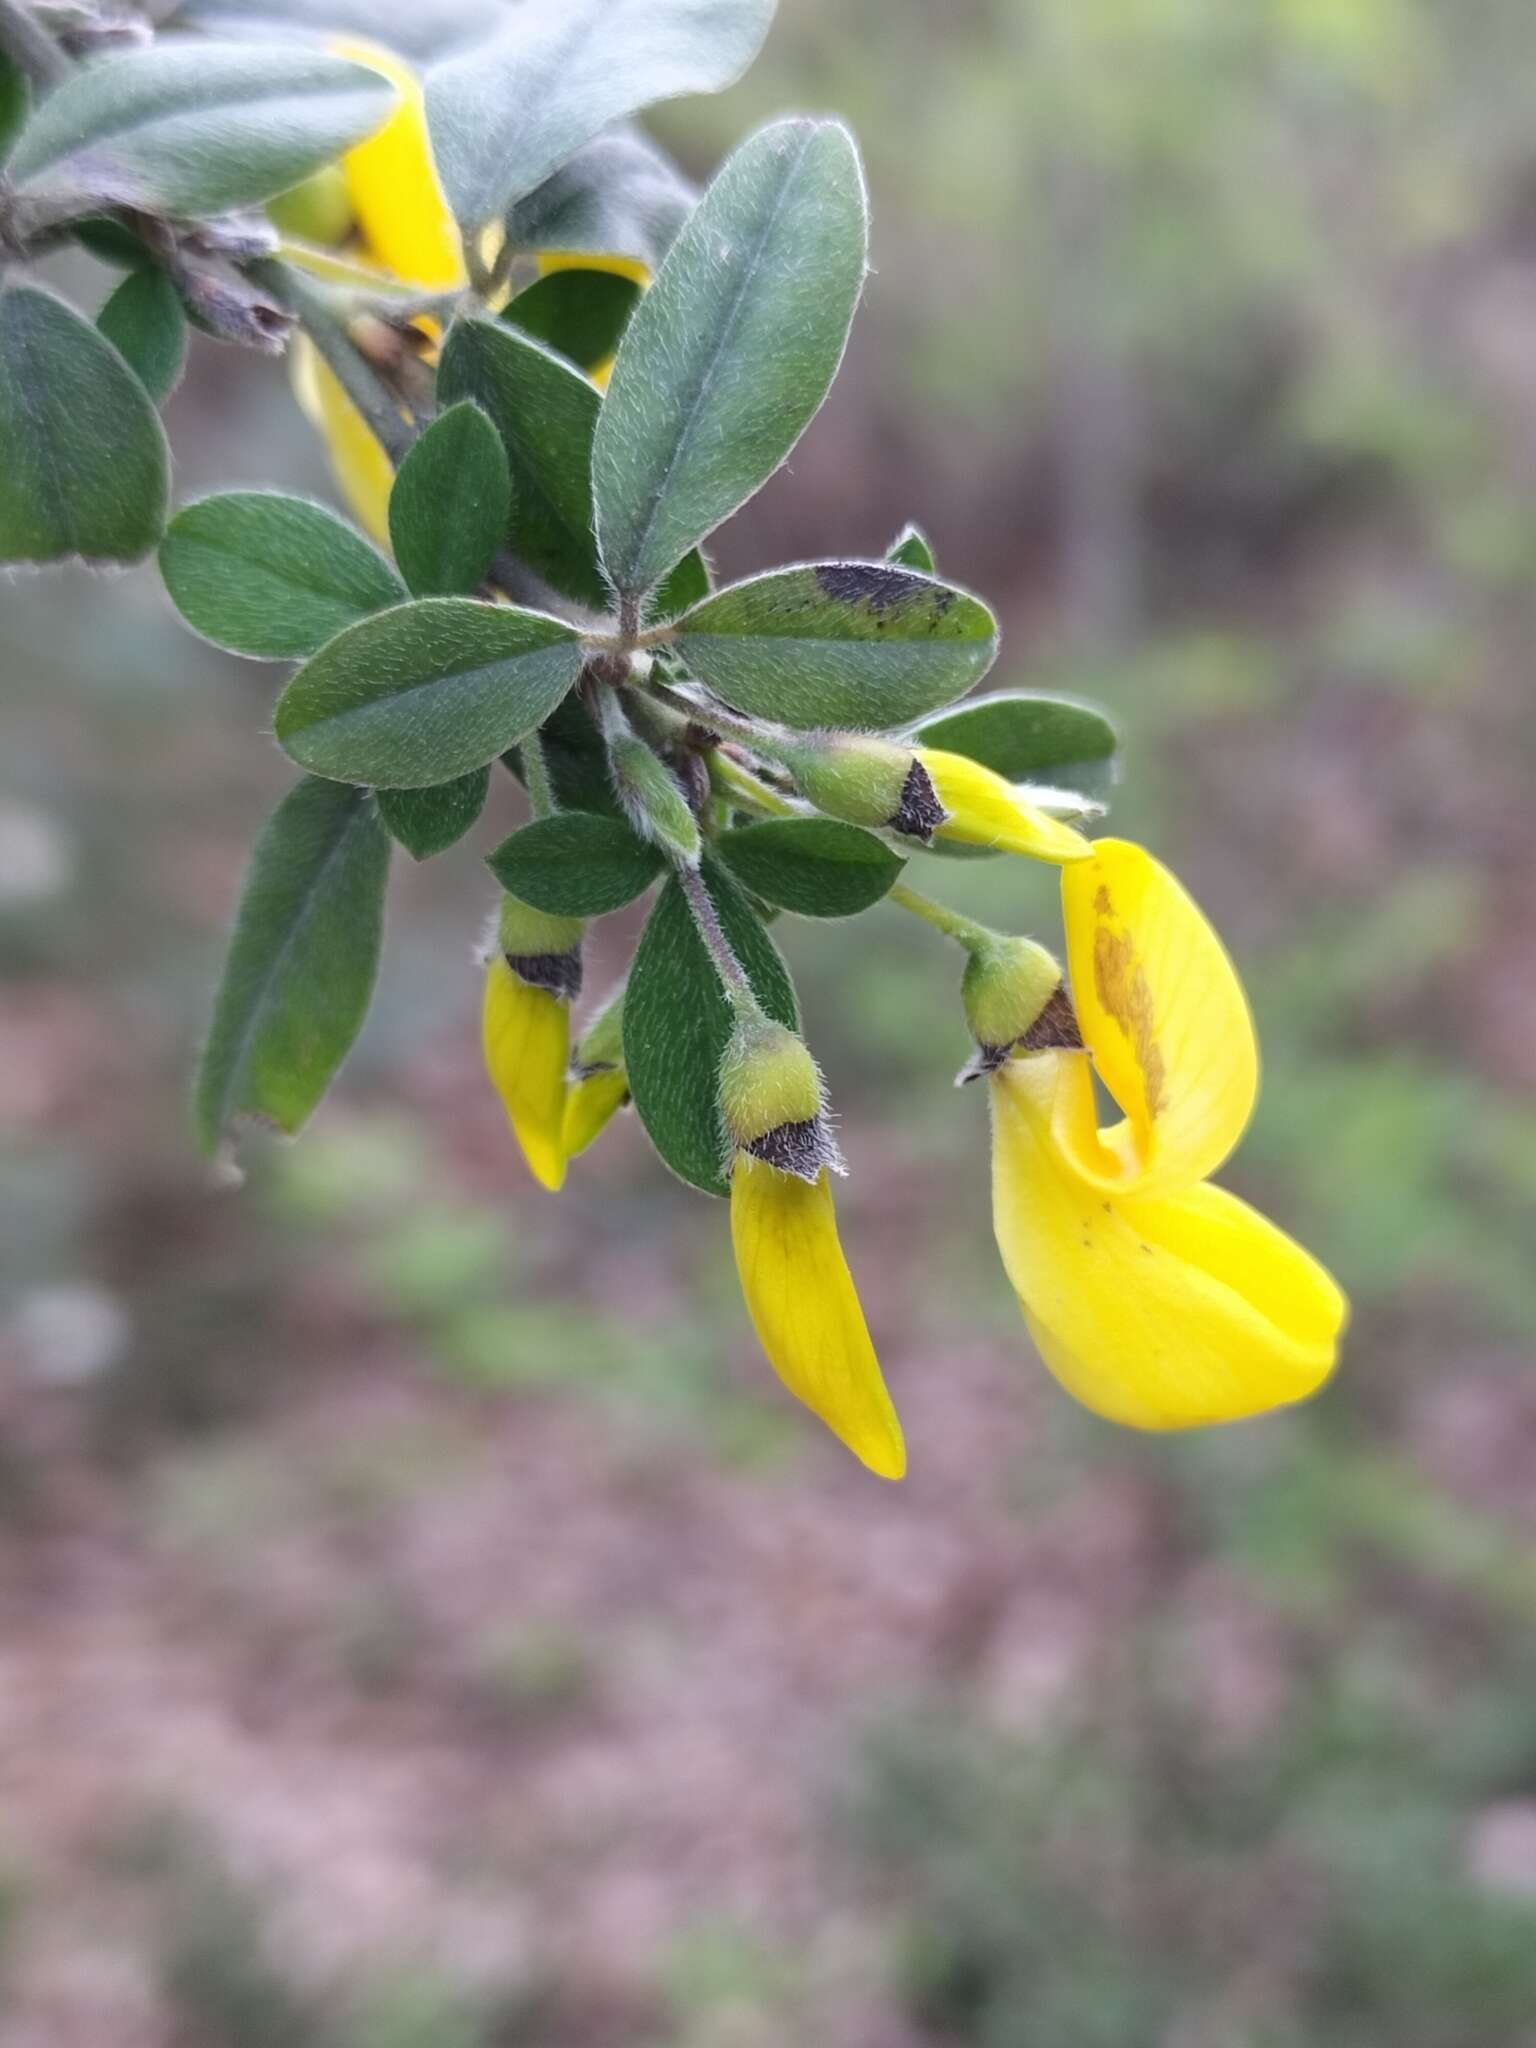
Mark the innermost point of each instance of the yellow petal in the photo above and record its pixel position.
(1162, 1312)
(591, 1103)
(363, 471)
(801, 1298)
(1165, 1017)
(396, 194)
(986, 810)
(527, 1037)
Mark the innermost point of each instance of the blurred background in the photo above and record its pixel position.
(423, 1620)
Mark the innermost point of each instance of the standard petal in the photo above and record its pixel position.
(1164, 1015)
(1159, 1312)
(527, 1037)
(396, 194)
(986, 810)
(801, 1298)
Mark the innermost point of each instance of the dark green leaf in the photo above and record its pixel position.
(839, 643)
(581, 314)
(145, 322)
(617, 197)
(448, 509)
(429, 821)
(1030, 739)
(84, 469)
(302, 962)
(508, 110)
(677, 1024)
(812, 866)
(196, 127)
(273, 576)
(112, 242)
(426, 692)
(911, 550)
(577, 760)
(687, 585)
(575, 865)
(731, 351)
(545, 412)
(15, 98)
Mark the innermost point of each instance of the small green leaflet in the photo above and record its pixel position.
(146, 323)
(911, 550)
(448, 509)
(545, 411)
(577, 759)
(426, 692)
(814, 867)
(429, 821)
(15, 99)
(508, 110)
(302, 962)
(731, 352)
(267, 575)
(1030, 738)
(677, 1024)
(581, 314)
(576, 865)
(84, 467)
(193, 127)
(861, 644)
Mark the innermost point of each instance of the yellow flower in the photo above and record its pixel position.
(599, 1086)
(982, 809)
(531, 981)
(1157, 1299)
(799, 1291)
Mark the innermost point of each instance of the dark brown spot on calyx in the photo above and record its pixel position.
(919, 814)
(557, 973)
(875, 584)
(802, 1149)
(591, 1071)
(1056, 1029)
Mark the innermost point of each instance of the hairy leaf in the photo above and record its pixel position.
(581, 314)
(448, 509)
(272, 576)
(576, 865)
(426, 692)
(815, 867)
(302, 963)
(429, 821)
(620, 196)
(146, 323)
(731, 351)
(911, 549)
(1029, 738)
(15, 99)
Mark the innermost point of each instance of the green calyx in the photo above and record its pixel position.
(768, 1083)
(602, 1043)
(857, 777)
(1009, 986)
(541, 950)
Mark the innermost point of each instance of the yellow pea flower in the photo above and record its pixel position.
(531, 980)
(981, 808)
(798, 1289)
(598, 1087)
(1159, 1300)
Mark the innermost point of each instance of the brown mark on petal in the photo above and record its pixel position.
(919, 814)
(1123, 990)
(558, 974)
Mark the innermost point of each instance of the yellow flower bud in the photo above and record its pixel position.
(1014, 999)
(530, 984)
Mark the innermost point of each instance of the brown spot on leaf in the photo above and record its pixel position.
(878, 586)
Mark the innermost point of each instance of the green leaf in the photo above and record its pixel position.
(581, 314)
(426, 692)
(15, 99)
(911, 549)
(731, 351)
(679, 591)
(146, 323)
(508, 110)
(575, 865)
(271, 576)
(84, 468)
(302, 962)
(545, 412)
(196, 127)
(839, 643)
(677, 1024)
(1029, 738)
(620, 196)
(576, 756)
(448, 509)
(429, 821)
(812, 866)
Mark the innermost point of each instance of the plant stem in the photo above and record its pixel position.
(964, 930)
(733, 976)
(352, 371)
(29, 46)
(713, 717)
(541, 790)
(741, 786)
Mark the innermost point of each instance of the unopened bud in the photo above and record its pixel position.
(541, 950)
(1015, 1002)
(319, 210)
(598, 1086)
(652, 797)
(865, 780)
(771, 1100)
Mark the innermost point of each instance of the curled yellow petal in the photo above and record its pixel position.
(527, 1039)
(1165, 1017)
(1161, 1312)
(392, 178)
(801, 1298)
(986, 810)
(363, 471)
(591, 1103)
